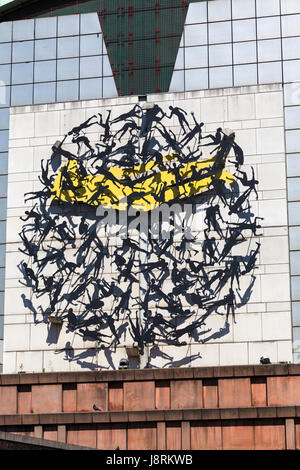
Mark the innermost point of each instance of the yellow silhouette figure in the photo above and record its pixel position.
(144, 186)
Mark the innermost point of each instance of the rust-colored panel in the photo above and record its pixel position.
(238, 436)
(259, 391)
(115, 396)
(46, 398)
(173, 433)
(297, 432)
(207, 436)
(161, 436)
(210, 393)
(269, 434)
(50, 433)
(82, 435)
(234, 393)
(92, 394)
(283, 391)
(186, 394)
(162, 395)
(24, 399)
(111, 436)
(142, 436)
(8, 400)
(139, 395)
(69, 398)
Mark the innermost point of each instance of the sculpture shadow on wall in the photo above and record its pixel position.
(151, 286)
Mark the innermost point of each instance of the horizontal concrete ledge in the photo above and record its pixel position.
(25, 442)
(204, 414)
(151, 374)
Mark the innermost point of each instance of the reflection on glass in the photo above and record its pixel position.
(68, 90)
(45, 27)
(5, 74)
(68, 25)
(89, 23)
(44, 92)
(220, 77)
(23, 30)
(4, 119)
(244, 52)
(245, 75)
(67, 69)
(292, 117)
(23, 51)
(45, 71)
(290, 47)
(91, 89)
(22, 73)
(21, 95)
(220, 32)
(91, 44)
(244, 30)
(196, 57)
(291, 70)
(196, 79)
(91, 66)
(220, 54)
(68, 47)
(45, 49)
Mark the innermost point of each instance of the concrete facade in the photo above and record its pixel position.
(263, 325)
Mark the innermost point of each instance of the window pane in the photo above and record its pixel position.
(91, 89)
(23, 51)
(294, 238)
(291, 70)
(295, 284)
(196, 57)
(3, 165)
(268, 28)
(89, 23)
(5, 31)
(219, 10)
(290, 25)
(292, 94)
(244, 30)
(296, 313)
(68, 47)
(291, 48)
(4, 118)
(91, 67)
(195, 35)
(220, 32)
(269, 50)
(177, 81)
(293, 168)
(5, 53)
(67, 69)
(106, 66)
(4, 96)
(267, 7)
(44, 92)
(290, 6)
(293, 189)
(197, 13)
(292, 117)
(68, 90)
(109, 88)
(5, 74)
(179, 64)
(91, 45)
(244, 52)
(220, 77)
(220, 54)
(45, 49)
(45, 71)
(2, 224)
(196, 79)
(293, 141)
(21, 95)
(23, 30)
(68, 25)
(245, 75)
(3, 146)
(22, 73)
(242, 9)
(45, 27)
